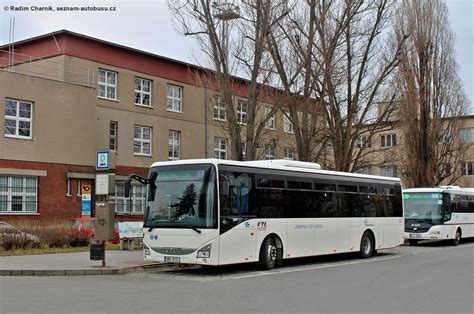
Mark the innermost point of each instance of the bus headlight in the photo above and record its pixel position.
(205, 252)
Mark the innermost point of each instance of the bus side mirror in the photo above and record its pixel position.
(224, 188)
(152, 190)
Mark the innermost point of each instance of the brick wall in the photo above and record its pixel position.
(53, 203)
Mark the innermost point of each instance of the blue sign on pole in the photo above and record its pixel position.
(86, 208)
(102, 160)
(86, 205)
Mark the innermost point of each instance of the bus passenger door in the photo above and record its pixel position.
(238, 235)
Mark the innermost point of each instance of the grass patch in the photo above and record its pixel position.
(53, 250)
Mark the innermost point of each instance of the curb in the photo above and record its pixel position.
(89, 272)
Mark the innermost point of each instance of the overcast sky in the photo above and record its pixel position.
(146, 25)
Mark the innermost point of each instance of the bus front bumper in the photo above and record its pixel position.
(196, 258)
(431, 234)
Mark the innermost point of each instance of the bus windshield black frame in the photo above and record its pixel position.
(424, 206)
(182, 196)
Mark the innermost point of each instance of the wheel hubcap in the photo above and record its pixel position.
(273, 253)
(366, 246)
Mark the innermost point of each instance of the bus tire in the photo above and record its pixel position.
(268, 254)
(457, 237)
(412, 241)
(367, 245)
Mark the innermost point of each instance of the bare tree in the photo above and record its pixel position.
(356, 64)
(340, 67)
(234, 42)
(291, 43)
(431, 95)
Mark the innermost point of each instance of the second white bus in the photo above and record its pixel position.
(218, 212)
(439, 213)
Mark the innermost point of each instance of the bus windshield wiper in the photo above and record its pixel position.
(178, 225)
(150, 226)
(190, 227)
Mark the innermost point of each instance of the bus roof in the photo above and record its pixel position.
(440, 189)
(275, 164)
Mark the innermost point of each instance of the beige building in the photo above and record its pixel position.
(67, 96)
(385, 145)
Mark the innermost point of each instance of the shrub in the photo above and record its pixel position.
(17, 240)
(52, 234)
(78, 238)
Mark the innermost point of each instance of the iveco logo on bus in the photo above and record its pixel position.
(416, 225)
(171, 250)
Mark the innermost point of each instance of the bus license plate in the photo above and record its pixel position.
(172, 259)
(414, 235)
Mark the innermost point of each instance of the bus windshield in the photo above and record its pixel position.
(423, 206)
(182, 197)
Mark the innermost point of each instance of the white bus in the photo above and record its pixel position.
(218, 212)
(441, 213)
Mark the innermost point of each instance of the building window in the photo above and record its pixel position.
(113, 135)
(79, 191)
(467, 135)
(242, 112)
(363, 142)
(68, 187)
(364, 170)
(174, 142)
(467, 168)
(174, 98)
(18, 194)
(388, 140)
(389, 171)
(270, 151)
(219, 109)
(220, 148)
(107, 84)
(135, 204)
(142, 140)
(18, 118)
(270, 124)
(287, 125)
(142, 92)
(289, 153)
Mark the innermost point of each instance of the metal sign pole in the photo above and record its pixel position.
(103, 253)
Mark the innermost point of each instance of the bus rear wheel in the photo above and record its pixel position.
(367, 245)
(412, 242)
(268, 254)
(457, 237)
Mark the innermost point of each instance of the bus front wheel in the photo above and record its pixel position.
(268, 254)
(457, 237)
(367, 245)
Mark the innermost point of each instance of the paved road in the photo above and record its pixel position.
(428, 278)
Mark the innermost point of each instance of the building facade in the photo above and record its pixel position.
(66, 96)
(384, 148)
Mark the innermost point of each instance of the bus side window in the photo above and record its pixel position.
(324, 203)
(471, 204)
